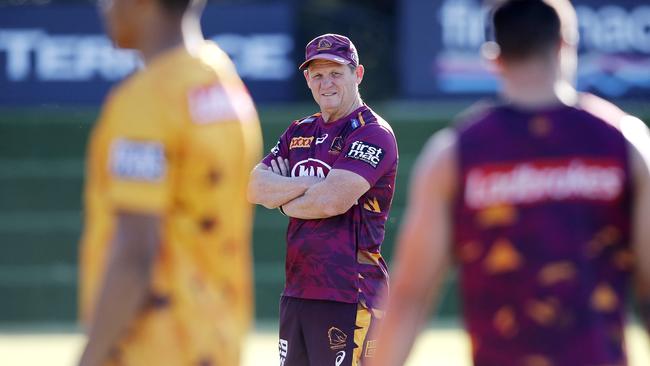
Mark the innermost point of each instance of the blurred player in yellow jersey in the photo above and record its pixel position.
(165, 255)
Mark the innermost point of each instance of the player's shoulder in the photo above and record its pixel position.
(613, 120)
(477, 113)
(369, 120)
(122, 96)
(181, 69)
(212, 55)
(305, 121)
(302, 125)
(631, 128)
(601, 109)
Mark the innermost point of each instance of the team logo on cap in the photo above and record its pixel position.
(324, 44)
(354, 57)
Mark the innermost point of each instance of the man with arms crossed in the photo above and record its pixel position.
(165, 256)
(542, 201)
(333, 174)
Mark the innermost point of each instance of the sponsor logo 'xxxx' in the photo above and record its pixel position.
(337, 338)
(300, 142)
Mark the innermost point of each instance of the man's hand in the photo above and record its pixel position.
(280, 166)
(272, 187)
(333, 196)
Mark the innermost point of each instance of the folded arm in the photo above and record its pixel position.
(271, 189)
(333, 196)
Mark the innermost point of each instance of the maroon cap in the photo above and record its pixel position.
(333, 47)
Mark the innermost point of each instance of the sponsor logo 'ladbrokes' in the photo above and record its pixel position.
(531, 182)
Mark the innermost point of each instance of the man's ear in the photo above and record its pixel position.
(359, 71)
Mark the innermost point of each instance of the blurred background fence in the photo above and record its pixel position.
(422, 67)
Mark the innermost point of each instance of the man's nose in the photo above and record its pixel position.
(327, 80)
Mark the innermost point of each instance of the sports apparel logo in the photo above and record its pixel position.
(138, 160)
(310, 168)
(538, 181)
(283, 346)
(276, 149)
(321, 139)
(366, 152)
(338, 339)
(340, 357)
(300, 142)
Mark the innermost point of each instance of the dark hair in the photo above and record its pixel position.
(525, 28)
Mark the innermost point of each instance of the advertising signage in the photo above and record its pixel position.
(60, 55)
(441, 40)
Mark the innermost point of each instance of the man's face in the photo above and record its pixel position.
(333, 85)
(119, 21)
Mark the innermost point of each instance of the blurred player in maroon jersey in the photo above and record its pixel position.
(541, 199)
(333, 173)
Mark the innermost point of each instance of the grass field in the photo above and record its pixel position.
(444, 345)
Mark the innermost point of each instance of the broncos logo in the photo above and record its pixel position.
(337, 338)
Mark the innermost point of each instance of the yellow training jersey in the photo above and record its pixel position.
(178, 140)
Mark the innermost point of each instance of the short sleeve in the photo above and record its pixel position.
(281, 148)
(370, 152)
(139, 161)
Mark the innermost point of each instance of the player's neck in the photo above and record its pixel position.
(331, 116)
(530, 86)
(168, 34)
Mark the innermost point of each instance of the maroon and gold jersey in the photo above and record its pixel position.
(541, 233)
(338, 258)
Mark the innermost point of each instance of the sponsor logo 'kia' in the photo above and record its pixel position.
(310, 168)
(554, 180)
(300, 142)
(366, 152)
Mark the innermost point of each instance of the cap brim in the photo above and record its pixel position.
(324, 56)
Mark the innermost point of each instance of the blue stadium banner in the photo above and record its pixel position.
(440, 42)
(59, 54)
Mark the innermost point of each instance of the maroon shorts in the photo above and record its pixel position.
(328, 333)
